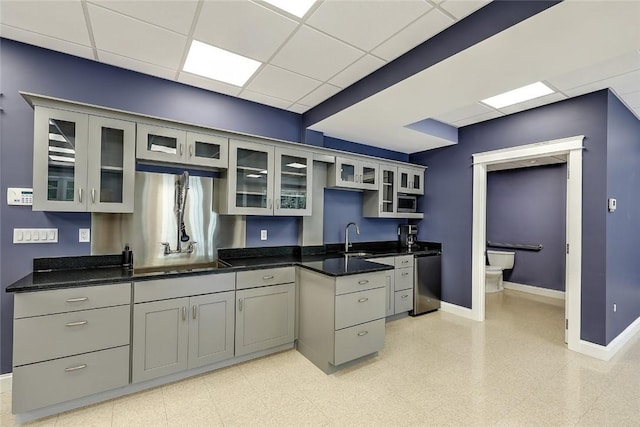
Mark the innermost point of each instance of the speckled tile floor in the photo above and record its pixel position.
(437, 369)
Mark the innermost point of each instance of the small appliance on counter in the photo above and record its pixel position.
(407, 235)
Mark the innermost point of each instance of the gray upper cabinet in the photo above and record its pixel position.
(266, 180)
(353, 173)
(178, 146)
(82, 163)
(411, 180)
(382, 203)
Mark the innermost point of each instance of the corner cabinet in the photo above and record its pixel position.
(265, 180)
(353, 173)
(169, 145)
(82, 162)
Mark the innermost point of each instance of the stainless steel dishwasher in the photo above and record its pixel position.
(427, 283)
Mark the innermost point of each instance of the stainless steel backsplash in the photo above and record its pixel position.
(154, 221)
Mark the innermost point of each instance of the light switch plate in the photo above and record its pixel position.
(35, 235)
(263, 234)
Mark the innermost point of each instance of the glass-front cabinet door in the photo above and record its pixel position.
(160, 143)
(347, 172)
(293, 180)
(388, 190)
(111, 171)
(411, 181)
(60, 160)
(250, 178)
(206, 150)
(368, 177)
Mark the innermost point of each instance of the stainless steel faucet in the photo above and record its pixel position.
(347, 245)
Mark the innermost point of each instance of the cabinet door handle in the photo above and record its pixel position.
(405, 274)
(404, 296)
(362, 333)
(194, 310)
(184, 313)
(80, 194)
(363, 300)
(267, 277)
(75, 368)
(180, 149)
(278, 204)
(83, 322)
(240, 304)
(78, 299)
(270, 203)
(93, 195)
(363, 282)
(406, 261)
(191, 150)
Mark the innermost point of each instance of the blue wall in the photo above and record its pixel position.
(528, 206)
(448, 201)
(623, 238)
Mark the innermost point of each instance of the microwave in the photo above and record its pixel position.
(407, 203)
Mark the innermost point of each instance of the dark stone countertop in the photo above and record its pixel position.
(50, 273)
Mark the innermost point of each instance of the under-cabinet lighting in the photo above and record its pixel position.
(295, 7)
(57, 137)
(53, 149)
(516, 96)
(297, 165)
(219, 64)
(254, 175)
(62, 159)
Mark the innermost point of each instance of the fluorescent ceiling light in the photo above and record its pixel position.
(516, 96)
(254, 175)
(62, 159)
(296, 165)
(295, 7)
(61, 150)
(219, 64)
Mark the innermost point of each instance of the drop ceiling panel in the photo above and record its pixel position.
(135, 65)
(282, 84)
(603, 70)
(543, 100)
(320, 94)
(173, 15)
(417, 32)
(264, 99)
(126, 36)
(36, 39)
(359, 69)
(477, 119)
(306, 53)
(632, 99)
(298, 108)
(208, 84)
(366, 24)
(57, 19)
(622, 84)
(243, 27)
(467, 111)
(462, 8)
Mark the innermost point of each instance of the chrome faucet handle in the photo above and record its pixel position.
(167, 247)
(191, 247)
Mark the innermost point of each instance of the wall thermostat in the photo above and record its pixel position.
(20, 196)
(612, 205)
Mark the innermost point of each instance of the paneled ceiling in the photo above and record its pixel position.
(307, 60)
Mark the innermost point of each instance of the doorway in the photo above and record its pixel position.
(571, 148)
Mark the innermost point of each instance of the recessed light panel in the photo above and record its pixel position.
(294, 7)
(219, 64)
(516, 96)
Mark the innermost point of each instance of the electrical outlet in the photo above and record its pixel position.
(84, 235)
(263, 234)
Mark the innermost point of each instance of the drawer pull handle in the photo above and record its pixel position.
(363, 282)
(406, 261)
(404, 296)
(363, 300)
(84, 322)
(405, 274)
(194, 311)
(75, 368)
(363, 333)
(267, 277)
(77, 299)
(184, 313)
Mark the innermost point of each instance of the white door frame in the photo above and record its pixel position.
(572, 148)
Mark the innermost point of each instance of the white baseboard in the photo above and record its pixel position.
(607, 352)
(6, 380)
(458, 310)
(550, 293)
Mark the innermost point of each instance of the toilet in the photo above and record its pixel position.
(498, 261)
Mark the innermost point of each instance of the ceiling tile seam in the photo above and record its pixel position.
(286, 14)
(604, 79)
(194, 23)
(42, 35)
(87, 21)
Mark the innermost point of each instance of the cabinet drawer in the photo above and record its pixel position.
(59, 335)
(388, 260)
(360, 307)
(47, 383)
(360, 282)
(403, 301)
(156, 290)
(358, 341)
(403, 278)
(265, 277)
(404, 261)
(71, 299)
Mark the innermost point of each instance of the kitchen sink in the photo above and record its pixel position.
(179, 268)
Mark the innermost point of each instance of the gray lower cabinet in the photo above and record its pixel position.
(75, 341)
(341, 318)
(399, 283)
(173, 335)
(265, 317)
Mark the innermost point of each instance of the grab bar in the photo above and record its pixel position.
(515, 246)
